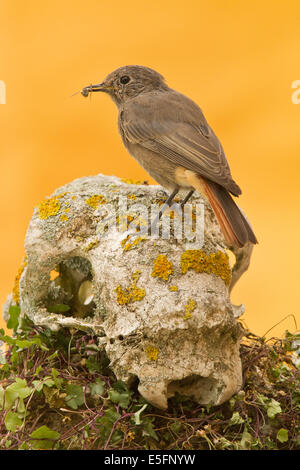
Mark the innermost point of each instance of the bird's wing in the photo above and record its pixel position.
(174, 126)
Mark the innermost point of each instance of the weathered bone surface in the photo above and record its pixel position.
(161, 311)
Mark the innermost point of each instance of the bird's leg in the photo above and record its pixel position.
(167, 204)
(152, 226)
(187, 197)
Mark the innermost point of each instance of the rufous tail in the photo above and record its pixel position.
(235, 227)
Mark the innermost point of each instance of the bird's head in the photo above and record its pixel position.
(128, 82)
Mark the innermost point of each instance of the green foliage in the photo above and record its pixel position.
(120, 394)
(283, 435)
(43, 438)
(12, 421)
(97, 388)
(271, 406)
(74, 398)
(57, 392)
(14, 313)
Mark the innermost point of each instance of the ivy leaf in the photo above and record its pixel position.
(122, 399)
(282, 435)
(120, 394)
(20, 387)
(38, 384)
(27, 343)
(43, 438)
(74, 397)
(14, 313)
(12, 421)
(17, 389)
(97, 388)
(272, 406)
(148, 429)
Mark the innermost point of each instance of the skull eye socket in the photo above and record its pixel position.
(125, 79)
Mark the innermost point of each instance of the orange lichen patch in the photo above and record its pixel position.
(189, 308)
(131, 293)
(95, 201)
(130, 245)
(15, 291)
(173, 288)
(152, 353)
(49, 208)
(53, 274)
(131, 181)
(64, 218)
(74, 197)
(163, 268)
(212, 263)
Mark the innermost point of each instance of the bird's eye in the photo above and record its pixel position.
(125, 79)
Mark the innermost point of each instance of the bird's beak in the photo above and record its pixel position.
(92, 88)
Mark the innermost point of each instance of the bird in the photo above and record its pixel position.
(167, 133)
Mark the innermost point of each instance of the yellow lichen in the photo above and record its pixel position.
(152, 353)
(130, 245)
(49, 208)
(62, 194)
(95, 201)
(67, 209)
(189, 308)
(163, 268)
(91, 245)
(212, 263)
(74, 197)
(15, 291)
(64, 218)
(132, 196)
(173, 288)
(131, 181)
(131, 293)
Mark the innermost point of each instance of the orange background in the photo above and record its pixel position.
(236, 59)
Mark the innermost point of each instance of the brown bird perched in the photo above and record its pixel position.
(167, 133)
